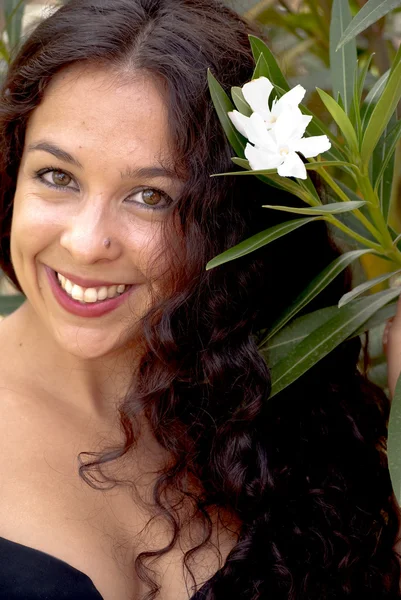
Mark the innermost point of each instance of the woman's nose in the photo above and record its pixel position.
(89, 237)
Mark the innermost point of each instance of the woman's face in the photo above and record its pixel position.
(92, 195)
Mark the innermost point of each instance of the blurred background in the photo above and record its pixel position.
(298, 34)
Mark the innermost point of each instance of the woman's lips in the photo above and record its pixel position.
(89, 310)
(88, 283)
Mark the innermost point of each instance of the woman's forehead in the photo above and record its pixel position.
(89, 107)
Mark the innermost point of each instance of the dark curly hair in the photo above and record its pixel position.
(304, 473)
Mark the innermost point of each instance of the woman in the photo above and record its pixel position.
(130, 357)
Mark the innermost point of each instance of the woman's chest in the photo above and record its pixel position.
(46, 505)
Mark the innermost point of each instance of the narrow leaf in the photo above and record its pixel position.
(342, 61)
(355, 112)
(223, 105)
(261, 68)
(14, 12)
(370, 12)
(319, 283)
(383, 179)
(322, 341)
(363, 287)
(382, 112)
(257, 241)
(312, 166)
(332, 209)
(362, 77)
(287, 338)
(240, 103)
(278, 346)
(274, 72)
(372, 98)
(4, 52)
(382, 315)
(341, 119)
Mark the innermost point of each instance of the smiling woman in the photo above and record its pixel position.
(140, 454)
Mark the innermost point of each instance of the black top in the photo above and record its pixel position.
(30, 574)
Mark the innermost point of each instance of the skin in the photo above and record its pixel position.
(84, 112)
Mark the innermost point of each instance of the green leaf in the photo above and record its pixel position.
(355, 112)
(350, 220)
(257, 241)
(275, 74)
(261, 69)
(363, 287)
(371, 12)
(223, 105)
(341, 119)
(240, 103)
(14, 12)
(394, 441)
(319, 283)
(323, 340)
(362, 77)
(312, 166)
(332, 209)
(383, 165)
(241, 162)
(10, 303)
(382, 315)
(342, 61)
(239, 173)
(287, 184)
(372, 98)
(287, 338)
(317, 127)
(4, 52)
(383, 110)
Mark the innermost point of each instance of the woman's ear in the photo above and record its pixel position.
(392, 348)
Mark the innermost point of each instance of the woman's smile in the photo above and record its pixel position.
(86, 301)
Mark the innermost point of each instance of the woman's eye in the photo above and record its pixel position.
(60, 178)
(55, 178)
(151, 198)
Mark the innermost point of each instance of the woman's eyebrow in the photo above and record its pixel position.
(132, 173)
(55, 151)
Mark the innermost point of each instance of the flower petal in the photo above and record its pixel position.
(291, 98)
(312, 146)
(257, 93)
(260, 159)
(303, 123)
(292, 167)
(239, 121)
(258, 133)
(290, 126)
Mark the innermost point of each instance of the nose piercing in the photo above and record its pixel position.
(107, 243)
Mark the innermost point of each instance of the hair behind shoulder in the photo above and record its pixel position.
(304, 473)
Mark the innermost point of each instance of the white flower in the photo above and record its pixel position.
(277, 135)
(257, 93)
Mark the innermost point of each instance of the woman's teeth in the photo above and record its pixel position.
(87, 295)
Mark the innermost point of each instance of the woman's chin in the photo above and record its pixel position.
(86, 344)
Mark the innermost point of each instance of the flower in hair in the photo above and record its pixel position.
(276, 134)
